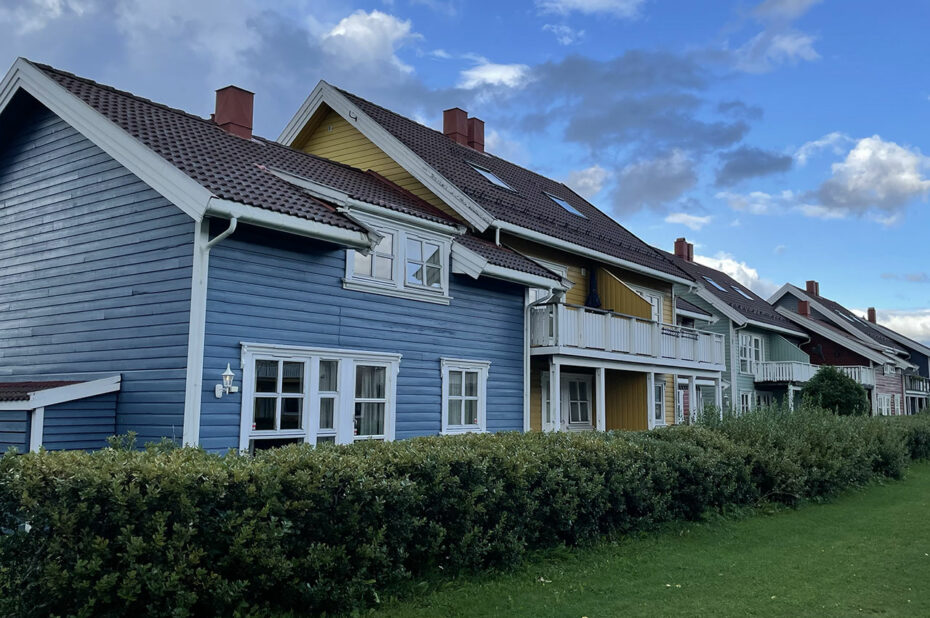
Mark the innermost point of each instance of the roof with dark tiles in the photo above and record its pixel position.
(505, 257)
(527, 205)
(19, 391)
(683, 305)
(860, 324)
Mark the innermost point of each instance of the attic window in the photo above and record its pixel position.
(714, 283)
(491, 177)
(741, 293)
(564, 204)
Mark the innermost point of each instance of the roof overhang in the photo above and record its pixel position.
(471, 263)
(468, 208)
(905, 341)
(836, 337)
(704, 317)
(62, 394)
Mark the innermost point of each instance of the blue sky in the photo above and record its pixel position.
(783, 137)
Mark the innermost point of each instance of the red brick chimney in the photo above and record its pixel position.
(234, 111)
(681, 249)
(476, 134)
(871, 314)
(690, 252)
(813, 288)
(804, 308)
(455, 125)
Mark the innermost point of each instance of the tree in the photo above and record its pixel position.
(833, 390)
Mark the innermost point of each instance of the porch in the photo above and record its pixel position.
(787, 372)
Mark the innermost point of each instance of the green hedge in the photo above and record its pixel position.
(297, 530)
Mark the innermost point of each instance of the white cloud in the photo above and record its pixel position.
(758, 202)
(33, 15)
(914, 323)
(625, 9)
(817, 211)
(769, 49)
(587, 182)
(780, 249)
(487, 73)
(836, 141)
(505, 147)
(740, 271)
(786, 10)
(368, 38)
(565, 35)
(694, 222)
(876, 174)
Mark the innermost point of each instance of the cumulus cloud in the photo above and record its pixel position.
(694, 222)
(487, 73)
(740, 271)
(624, 9)
(836, 142)
(654, 182)
(759, 202)
(587, 182)
(914, 323)
(33, 15)
(749, 162)
(783, 10)
(767, 50)
(366, 38)
(565, 35)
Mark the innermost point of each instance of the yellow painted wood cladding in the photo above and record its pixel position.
(576, 266)
(627, 400)
(617, 296)
(331, 137)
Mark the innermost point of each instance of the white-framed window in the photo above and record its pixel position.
(409, 262)
(314, 395)
(745, 401)
(751, 352)
(884, 405)
(658, 404)
(464, 395)
(888, 370)
(654, 298)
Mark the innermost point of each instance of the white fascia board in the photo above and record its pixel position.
(467, 262)
(564, 356)
(470, 210)
(703, 317)
(778, 329)
(571, 247)
(829, 314)
(288, 223)
(844, 341)
(732, 314)
(61, 394)
(170, 182)
(527, 279)
(910, 343)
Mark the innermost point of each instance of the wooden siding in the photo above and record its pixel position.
(537, 366)
(95, 270)
(304, 303)
(669, 397)
(891, 385)
(577, 267)
(83, 424)
(617, 296)
(781, 349)
(332, 137)
(721, 327)
(14, 430)
(627, 400)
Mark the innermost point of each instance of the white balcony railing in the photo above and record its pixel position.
(795, 371)
(593, 329)
(917, 384)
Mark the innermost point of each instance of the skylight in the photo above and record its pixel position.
(491, 177)
(564, 205)
(714, 283)
(741, 293)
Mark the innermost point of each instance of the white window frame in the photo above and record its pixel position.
(884, 404)
(750, 346)
(763, 398)
(653, 297)
(397, 286)
(482, 368)
(658, 403)
(746, 399)
(565, 403)
(344, 407)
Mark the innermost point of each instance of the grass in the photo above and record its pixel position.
(867, 552)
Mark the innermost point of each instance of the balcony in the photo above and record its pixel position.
(794, 371)
(917, 384)
(574, 329)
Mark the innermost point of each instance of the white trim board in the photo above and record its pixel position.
(738, 317)
(61, 394)
(842, 340)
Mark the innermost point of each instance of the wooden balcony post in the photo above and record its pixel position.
(650, 399)
(600, 400)
(692, 398)
(555, 394)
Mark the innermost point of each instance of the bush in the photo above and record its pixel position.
(296, 530)
(832, 389)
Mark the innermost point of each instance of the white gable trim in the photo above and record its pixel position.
(470, 210)
(173, 184)
(719, 305)
(909, 343)
(844, 341)
(61, 394)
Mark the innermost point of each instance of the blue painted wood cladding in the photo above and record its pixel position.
(83, 424)
(268, 288)
(95, 270)
(14, 430)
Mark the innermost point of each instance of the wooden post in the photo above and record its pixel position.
(650, 399)
(600, 400)
(555, 394)
(692, 398)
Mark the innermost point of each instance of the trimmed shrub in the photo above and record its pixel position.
(833, 390)
(298, 530)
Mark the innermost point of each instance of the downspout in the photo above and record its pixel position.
(526, 356)
(233, 223)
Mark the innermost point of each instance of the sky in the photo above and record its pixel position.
(784, 138)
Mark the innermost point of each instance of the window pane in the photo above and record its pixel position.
(471, 384)
(386, 245)
(432, 254)
(573, 412)
(583, 391)
(325, 439)
(414, 250)
(434, 276)
(455, 383)
(328, 375)
(455, 411)
(291, 412)
(369, 419)
(362, 264)
(263, 414)
(369, 382)
(327, 407)
(471, 411)
(573, 390)
(266, 376)
(384, 268)
(414, 273)
(583, 416)
(292, 380)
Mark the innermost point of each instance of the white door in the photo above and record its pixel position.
(577, 402)
(679, 406)
(548, 415)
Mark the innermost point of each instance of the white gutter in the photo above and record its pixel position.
(233, 224)
(530, 280)
(571, 247)
(527, 359)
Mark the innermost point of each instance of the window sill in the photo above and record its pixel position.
(426, 296)
(456, 431)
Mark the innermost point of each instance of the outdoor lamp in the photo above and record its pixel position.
(227, 386)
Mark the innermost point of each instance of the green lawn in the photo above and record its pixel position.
(867, 552)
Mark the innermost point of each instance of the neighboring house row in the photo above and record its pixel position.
(362, 277)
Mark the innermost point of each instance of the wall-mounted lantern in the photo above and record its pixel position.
(227, 386)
